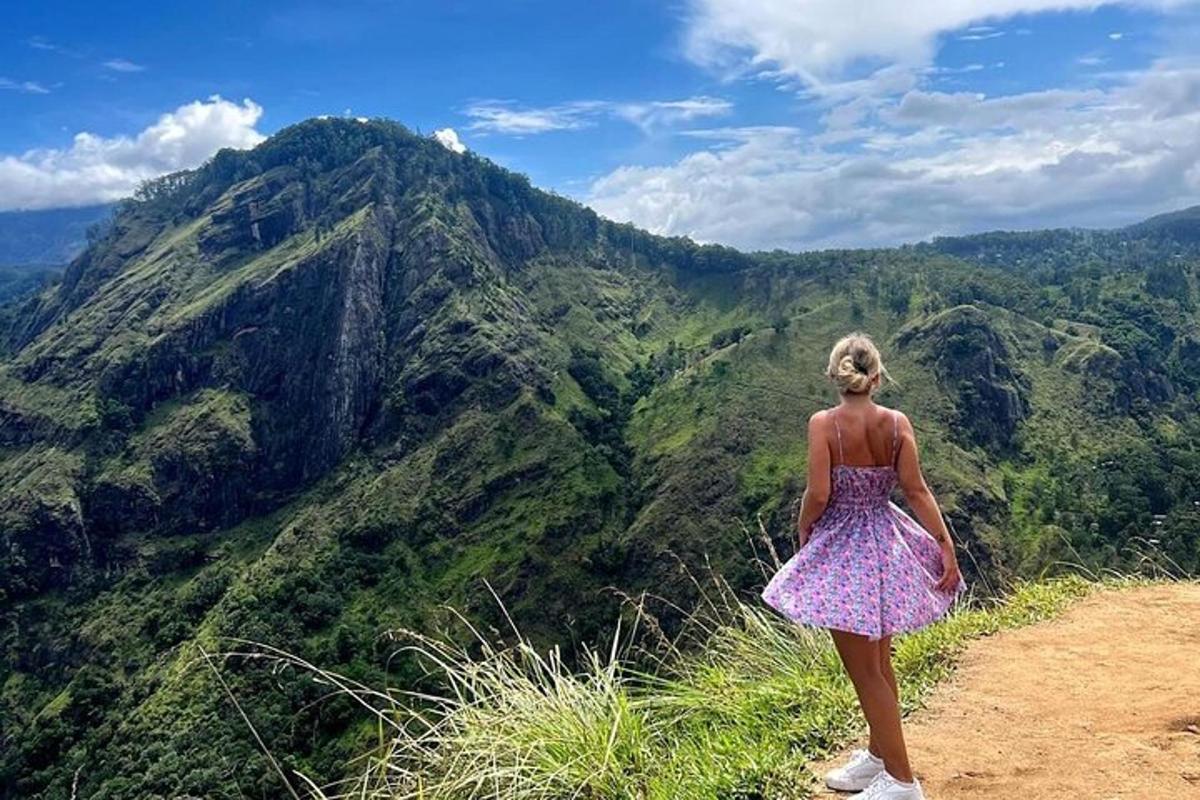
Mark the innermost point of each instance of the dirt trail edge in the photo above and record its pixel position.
(1101, 703)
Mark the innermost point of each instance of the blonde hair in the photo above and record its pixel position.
(855, 365)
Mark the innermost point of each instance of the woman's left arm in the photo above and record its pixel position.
(816, 491)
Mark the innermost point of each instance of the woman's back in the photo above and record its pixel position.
(865, 435)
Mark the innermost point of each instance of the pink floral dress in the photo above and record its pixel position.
(868, 567)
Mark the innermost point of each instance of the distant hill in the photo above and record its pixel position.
(324, 387)
(50, 237)
(1051, 255)
(1180, 226)
(22, 279)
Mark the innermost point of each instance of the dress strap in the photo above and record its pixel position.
(838, 428)
(895, 436)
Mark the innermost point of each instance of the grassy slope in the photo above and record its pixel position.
(740, 715)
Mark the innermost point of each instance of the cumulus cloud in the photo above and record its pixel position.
(816, 41)
(894, 160)
(498, 116)
(934, 163)
(100, 169)
(448, 138)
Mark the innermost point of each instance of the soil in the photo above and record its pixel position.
(1101, 703)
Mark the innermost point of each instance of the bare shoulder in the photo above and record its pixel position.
(818, 420)
(902, 418)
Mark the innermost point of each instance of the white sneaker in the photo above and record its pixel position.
(856, 774)
(885, 787)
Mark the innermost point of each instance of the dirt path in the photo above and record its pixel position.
(1102, 703)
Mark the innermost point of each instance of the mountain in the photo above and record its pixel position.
(1182, 227)
(34, 245)
(48, 237)
(20, 280)
(326, 387)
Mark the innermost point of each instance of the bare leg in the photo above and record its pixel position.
(885, 665)
(862, 660)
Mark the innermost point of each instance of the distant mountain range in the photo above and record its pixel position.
(329, 385)
(47, 238)
(36, 245)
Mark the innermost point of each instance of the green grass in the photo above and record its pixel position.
(735, 706)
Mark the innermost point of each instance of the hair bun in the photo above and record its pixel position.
(855, 364)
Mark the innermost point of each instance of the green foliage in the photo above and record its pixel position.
(734, 708)
(728, 336)
(324, 387)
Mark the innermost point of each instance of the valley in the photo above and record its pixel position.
(349, 379)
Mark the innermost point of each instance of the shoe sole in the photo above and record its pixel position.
(847, 786)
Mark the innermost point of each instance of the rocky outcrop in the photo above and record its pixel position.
(43, 537)
(345, 304)
(972, 363)
(190, 471)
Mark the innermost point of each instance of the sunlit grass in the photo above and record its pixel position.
(733, 706)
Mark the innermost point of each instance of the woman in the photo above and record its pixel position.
(864, 569)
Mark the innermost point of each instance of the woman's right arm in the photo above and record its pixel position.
(817, 487)
(923, 504)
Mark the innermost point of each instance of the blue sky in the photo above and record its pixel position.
(761, 123)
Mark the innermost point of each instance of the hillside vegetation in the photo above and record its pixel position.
(737, 707)
(325, 387)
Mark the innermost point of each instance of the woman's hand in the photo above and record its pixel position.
(950, 572)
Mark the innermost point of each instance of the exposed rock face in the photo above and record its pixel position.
(41, 521)
(256, 216)
(973, 364)
(176, 476)
(344, 301)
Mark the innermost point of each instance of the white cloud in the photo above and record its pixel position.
(498, 116)
(978, 35)
(448, 138)
(934, 163)
(897, 161)
(122, 65)
(659, 113)
(41, 43)
(99, 169)
(976, 67)
(817, 41)
(25, 87)
(1116, 36)
(744, 133)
